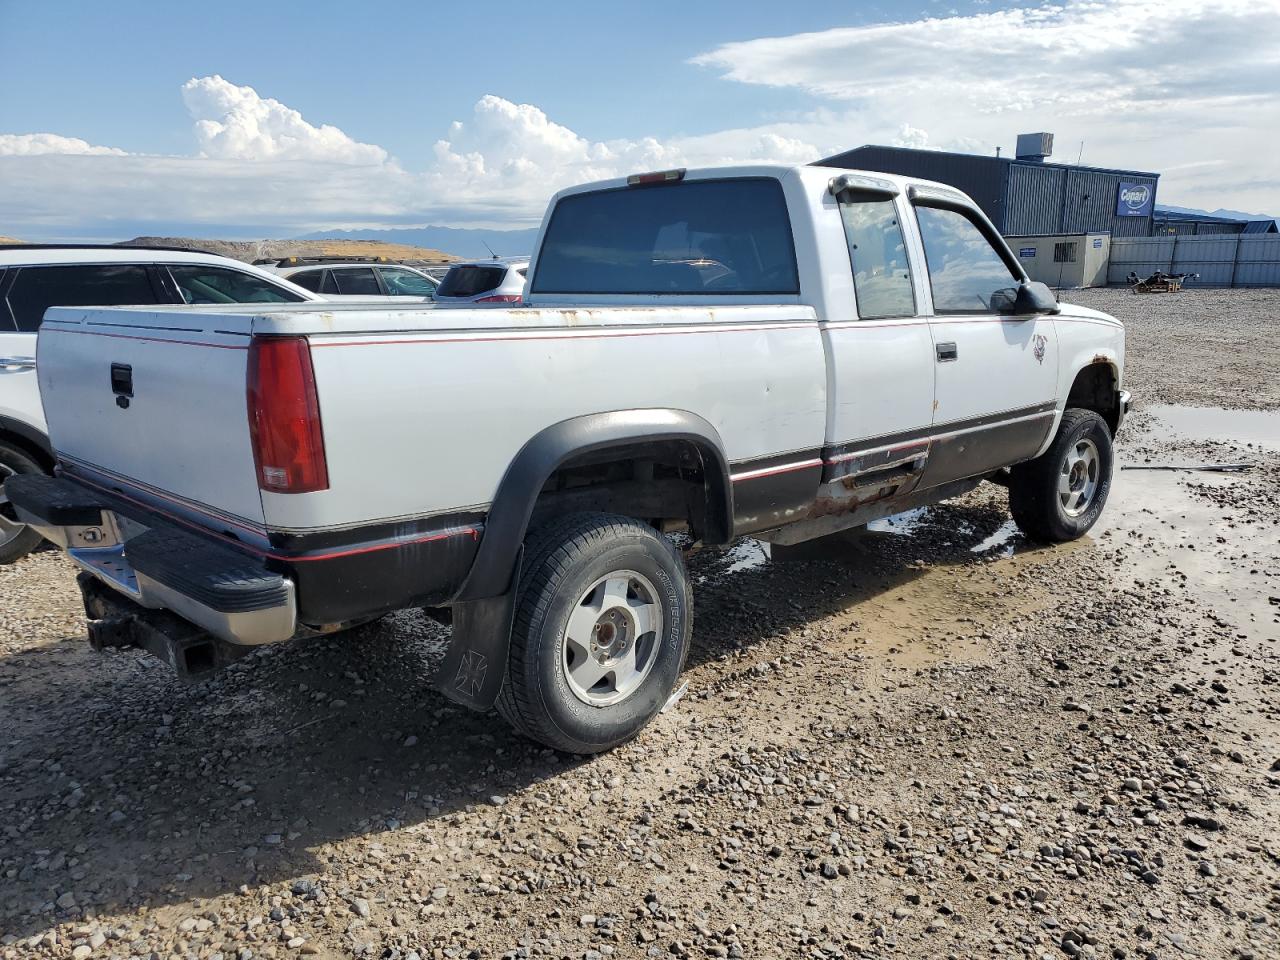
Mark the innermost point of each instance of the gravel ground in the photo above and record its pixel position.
(929, 740)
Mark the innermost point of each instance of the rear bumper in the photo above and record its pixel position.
(230, 594)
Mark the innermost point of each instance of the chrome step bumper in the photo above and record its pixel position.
(230, 594)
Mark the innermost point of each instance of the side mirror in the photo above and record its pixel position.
(1034, 297)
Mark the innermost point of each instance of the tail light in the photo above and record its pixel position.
(502, 298)
(284, 416)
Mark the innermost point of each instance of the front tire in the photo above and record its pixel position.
(1059, 495)
(16, 539)
(602, 626)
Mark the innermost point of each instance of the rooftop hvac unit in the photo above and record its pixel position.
(1034, 146)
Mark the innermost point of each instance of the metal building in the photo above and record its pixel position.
(1174, 223)
(1023, 195)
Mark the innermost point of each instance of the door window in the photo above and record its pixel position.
(200, 284)
(966, 273)
(878, 252)
(35, 289)
(308, 279)
(406, 283)
(359, 281)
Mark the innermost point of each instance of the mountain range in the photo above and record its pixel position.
(468, 243)
(1220, 212)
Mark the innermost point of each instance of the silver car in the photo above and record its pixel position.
(484, 281)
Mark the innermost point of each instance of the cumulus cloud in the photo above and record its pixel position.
(1145, 84)
(1178, 86)
(261, 162)
(235, 123)
(43, 144)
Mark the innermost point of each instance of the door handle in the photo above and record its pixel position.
(14, 364)
(947, 352)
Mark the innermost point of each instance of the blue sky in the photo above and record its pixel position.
(128, 115)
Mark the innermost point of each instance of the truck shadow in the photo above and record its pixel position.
(125, 789)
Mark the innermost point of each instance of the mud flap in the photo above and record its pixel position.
(475, 665)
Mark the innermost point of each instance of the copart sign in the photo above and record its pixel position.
(1134, 199)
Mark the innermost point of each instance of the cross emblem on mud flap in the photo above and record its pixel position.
(471, 672)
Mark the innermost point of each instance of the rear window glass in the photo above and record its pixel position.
(470, 281)
(36, 289)
(699, 237)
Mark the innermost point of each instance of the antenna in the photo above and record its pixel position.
(489, 248)
(1080, 155)
(997, 151)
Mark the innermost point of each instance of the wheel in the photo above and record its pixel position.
(1059, 495)
(602, 625)
(16, 539)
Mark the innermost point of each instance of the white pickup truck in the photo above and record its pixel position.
(783, 352)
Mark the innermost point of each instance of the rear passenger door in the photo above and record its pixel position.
(996, 373)
(882, 357)
(29, 291)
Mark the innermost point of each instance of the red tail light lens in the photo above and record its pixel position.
(501, 298)
(284, 416)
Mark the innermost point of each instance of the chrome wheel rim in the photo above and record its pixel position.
(1079, 478)
(10, 528)
(611, 641)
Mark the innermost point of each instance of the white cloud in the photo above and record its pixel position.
(261, 162)
(235, 123)
(1171, 85)
(1178, 86)
(43, 144)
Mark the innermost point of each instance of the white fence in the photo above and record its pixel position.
(1230, 261)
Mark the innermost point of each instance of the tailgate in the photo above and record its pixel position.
(154, 401)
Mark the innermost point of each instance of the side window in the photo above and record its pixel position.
(965, 272)
(200, 284)
(358, 281)
(878, 252)
(35, 289)
(328, 284)
(406, 283)
(308, 279)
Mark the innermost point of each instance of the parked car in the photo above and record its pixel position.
(362, 277)
(35, 277)
(484, 281)
(781, 352)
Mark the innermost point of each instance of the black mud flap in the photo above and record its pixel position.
(475, 665)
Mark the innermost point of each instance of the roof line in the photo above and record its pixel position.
(827, 161)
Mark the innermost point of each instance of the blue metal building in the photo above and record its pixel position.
(1023, 195)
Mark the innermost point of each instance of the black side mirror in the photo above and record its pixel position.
(1034, 297)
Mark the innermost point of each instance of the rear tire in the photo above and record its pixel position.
(16, 539)
(602, 626)
(1059, 495)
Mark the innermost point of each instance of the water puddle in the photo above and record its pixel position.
(746, 555)
(1003, 539)
(1164, 529)
(904, 524)
(1259, 428)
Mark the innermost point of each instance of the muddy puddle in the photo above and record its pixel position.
(1173, 528)
(1247, 428)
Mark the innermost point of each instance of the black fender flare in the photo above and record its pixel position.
(29, 435)
(475, 664)
(547, 450)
